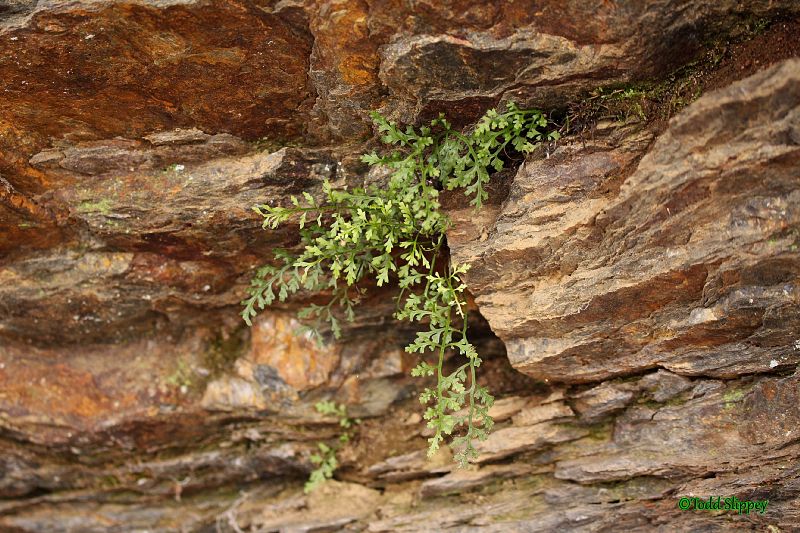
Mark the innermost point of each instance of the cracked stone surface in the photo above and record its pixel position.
(639, 284)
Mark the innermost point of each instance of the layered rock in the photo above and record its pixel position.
(650, 278)
(595, 268)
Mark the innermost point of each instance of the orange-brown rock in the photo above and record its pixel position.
(641, 278)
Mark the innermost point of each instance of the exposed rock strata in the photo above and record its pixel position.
(690, 262)
(596, 267)
(649, 277)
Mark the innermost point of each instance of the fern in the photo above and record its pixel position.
(325, 460)
(396, 234)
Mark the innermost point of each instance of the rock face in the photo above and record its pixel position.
(597, 267)
(639, 283)
(690, 263)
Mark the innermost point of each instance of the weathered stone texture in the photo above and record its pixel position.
(646, 275)
(596, 266)
(689, 261)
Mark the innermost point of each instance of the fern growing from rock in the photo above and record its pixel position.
(325, 459)
(396, 234)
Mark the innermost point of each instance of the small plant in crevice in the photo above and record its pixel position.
(662, 98)
(621, 103)
(325, 460)
(181, 378)
(395, 233)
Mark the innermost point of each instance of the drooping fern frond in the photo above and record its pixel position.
(396, 234)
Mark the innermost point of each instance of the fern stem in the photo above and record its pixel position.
(439, 380)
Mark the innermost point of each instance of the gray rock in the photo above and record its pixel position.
(600, 401)
(542, 413)
(461, 480)
(178, 136)
(513, 440)
(663, 385)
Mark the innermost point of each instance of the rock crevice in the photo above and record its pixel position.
(638, 282)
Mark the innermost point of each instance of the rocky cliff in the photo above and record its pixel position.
(638, 282)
